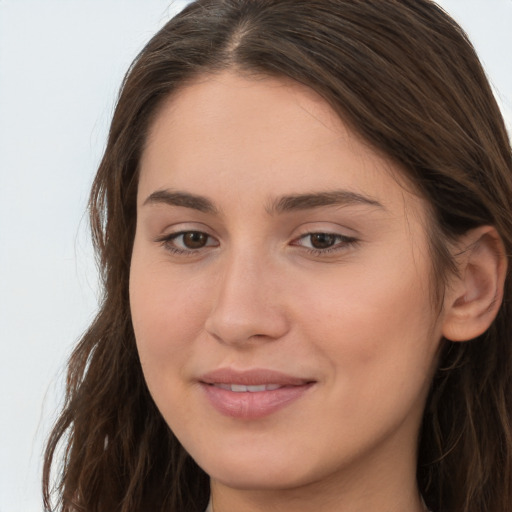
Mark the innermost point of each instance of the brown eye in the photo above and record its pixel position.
(194, 239)
(325, 244)
(322, 240)
(188, 242)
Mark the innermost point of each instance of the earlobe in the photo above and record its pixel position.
(475, 294)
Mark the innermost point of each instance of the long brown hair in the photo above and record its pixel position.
(405, 77)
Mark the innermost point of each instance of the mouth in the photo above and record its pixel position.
(252, 379)
(240, 388)
(252, 394)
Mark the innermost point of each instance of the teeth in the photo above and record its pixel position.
(240, 388)
(227, 387)
(255, 389)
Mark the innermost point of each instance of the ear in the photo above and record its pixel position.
(474, 296)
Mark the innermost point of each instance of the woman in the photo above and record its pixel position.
(304, 223)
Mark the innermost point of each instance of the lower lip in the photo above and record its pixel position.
(247, 405)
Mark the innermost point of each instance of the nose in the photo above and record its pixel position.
(248, 304)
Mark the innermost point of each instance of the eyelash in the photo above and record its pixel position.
(167, 242)
(342, 243)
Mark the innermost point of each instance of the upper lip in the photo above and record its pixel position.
(253, 377)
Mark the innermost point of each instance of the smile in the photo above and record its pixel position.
(240, 388)
(252, 394)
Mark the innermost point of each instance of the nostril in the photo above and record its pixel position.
(246, 329)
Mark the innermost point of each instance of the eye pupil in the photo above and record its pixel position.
(194, 239)
(322, 240)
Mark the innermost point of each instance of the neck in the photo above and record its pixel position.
(280, 502)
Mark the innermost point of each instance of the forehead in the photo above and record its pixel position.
(262, 136)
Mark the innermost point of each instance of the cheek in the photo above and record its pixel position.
(167, 314)
(167, 318)
(373, 322)
(377, 340)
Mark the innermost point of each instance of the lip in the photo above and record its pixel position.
(248, 404)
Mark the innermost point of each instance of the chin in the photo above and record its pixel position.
(260, 471)
(262, 479)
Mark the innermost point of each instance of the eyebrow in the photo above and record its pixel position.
(184, 199)
(320, 199)
(289, 203)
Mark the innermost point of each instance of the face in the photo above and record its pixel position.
(280, 288)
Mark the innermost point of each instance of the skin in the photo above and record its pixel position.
(356, 317)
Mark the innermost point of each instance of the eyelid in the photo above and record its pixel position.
(168, 241)
(343, 242)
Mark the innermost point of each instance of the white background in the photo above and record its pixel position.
(61, 62)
